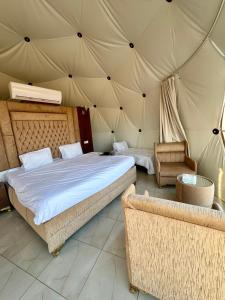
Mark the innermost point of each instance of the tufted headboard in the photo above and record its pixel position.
(26, 127)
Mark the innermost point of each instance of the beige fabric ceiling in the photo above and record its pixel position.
(182, 37)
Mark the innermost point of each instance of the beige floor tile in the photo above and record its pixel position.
(115, 243)
(68, 272)
(13, 281)
(96, 231)
(108, 280)
(39, 291)
(146, 297)
(30, 253)
(22, 246)
(148, 182)
(12, 230)
(121, 217)
(113, 210)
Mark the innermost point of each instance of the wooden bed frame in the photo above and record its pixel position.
(26, 127)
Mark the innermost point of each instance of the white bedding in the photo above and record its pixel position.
(143, 157)
(51, 189)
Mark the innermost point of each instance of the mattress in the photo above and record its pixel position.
(51, 189)
(143, 157)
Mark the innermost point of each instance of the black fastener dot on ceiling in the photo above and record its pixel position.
(140, 130)
(70, 75)
(108, 77)
(169, 0)
(29, 83)
(143, 95)
(79, 34)
(27, 39)
(121, 108)
(215, 131)
(95, 105)
(112, 131)
(131, 45)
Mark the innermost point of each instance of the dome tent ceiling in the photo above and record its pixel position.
(117, 53)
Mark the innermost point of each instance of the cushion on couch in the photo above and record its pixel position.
(174, 169)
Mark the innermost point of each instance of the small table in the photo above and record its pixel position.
(195, 189)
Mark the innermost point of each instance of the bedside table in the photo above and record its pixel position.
(4, 199)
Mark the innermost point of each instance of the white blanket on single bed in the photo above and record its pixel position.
(51, 189)
(143, 157)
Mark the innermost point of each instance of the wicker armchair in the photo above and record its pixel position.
(174, 251)
(171, 159)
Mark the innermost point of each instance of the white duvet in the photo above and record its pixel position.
(51, 189)
(143, 157)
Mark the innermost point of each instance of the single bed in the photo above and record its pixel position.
(143, 157)
(53, 201)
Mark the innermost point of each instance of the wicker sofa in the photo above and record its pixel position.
(171, 159)
(174, 251)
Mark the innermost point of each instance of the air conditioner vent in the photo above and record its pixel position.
(19, 91)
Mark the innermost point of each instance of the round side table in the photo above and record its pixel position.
(195, 189)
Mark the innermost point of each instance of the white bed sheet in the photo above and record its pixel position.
(143, 157)
(51, 189)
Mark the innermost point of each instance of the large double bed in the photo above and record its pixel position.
(59, 198)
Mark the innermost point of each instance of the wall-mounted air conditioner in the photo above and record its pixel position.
(26, 92)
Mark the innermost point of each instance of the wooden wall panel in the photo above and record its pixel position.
(4, 165)
(85, 129)
(76, 124)
(7, 137)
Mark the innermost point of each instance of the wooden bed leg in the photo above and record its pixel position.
(133, 289)
(10, 208)
(57, 251)
(7, 209)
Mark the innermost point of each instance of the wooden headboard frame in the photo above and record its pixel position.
(27, 127)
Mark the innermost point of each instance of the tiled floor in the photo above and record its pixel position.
(91, 265)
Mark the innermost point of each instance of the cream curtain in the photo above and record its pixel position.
(171, 129)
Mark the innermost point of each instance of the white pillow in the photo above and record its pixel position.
(36, 159)
(120, 146)
(70, 150)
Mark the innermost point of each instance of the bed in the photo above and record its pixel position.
(143, 157)
(28, 127)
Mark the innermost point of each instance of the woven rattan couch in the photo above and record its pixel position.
(174, 251)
